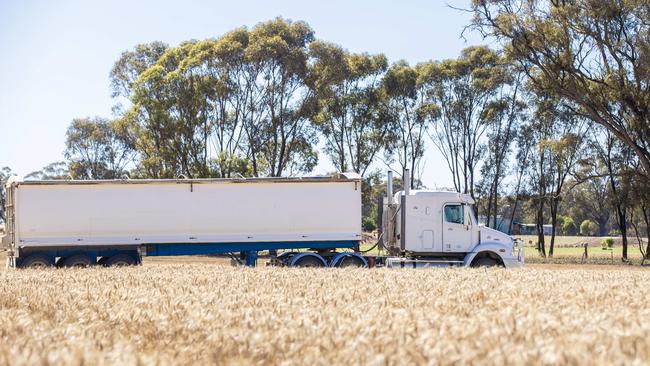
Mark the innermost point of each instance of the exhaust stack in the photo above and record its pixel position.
(389, 187)
(402, 203)
(407, 182)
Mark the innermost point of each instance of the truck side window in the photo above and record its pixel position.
(454, 213)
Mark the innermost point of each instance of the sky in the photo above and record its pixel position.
(55, 56)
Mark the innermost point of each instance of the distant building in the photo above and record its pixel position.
(519, 228)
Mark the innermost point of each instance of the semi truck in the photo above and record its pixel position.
(299, 222)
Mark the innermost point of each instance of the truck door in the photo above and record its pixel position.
(456, 231)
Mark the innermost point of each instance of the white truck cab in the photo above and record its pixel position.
(425, 228)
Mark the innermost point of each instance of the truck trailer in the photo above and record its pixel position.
(300, 222)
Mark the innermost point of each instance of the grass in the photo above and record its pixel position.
(569, 250)
(199, 313)
(576, 241)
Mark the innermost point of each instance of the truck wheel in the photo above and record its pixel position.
(36, 261)
(77, 261)
(308, 262)
(120, 260)
(351, 262)
(485, 262)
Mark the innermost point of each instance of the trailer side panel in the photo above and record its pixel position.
(181, 213)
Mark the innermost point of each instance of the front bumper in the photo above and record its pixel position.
(516, 261)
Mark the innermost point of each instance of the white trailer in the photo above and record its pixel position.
(115, 222)
(76, 222)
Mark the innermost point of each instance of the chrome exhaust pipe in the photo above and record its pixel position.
(407, 182)
(389, 187)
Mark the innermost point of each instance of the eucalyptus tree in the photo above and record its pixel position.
(504, 117)
(564, 151)
(351, 114)
(170, 109)
(524, 150)
(58, 170)
(408, 114)
(558, 136)
(5, 174)
(618, 162)
(96, 148)
(593, 54)
(131, 64)
(541, 128)
(467, 93)
(218, 66)
(281, 141)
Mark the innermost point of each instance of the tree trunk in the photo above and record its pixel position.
(646, 218)
(622, 226)
(540, 229)
(488, 209)
(554, 209)
(512, 214)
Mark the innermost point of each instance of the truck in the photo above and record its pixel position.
(299, 222)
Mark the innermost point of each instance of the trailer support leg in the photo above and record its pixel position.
(251, 258)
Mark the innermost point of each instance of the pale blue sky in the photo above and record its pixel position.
(55, 56)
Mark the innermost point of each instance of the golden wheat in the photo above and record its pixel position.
(207, 313)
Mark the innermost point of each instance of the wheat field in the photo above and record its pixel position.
(205, 313)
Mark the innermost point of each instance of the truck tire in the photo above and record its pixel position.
(485, 262)
(77, 261)
(36, 261)
(308, 262)
(351, 261)
(120, 260)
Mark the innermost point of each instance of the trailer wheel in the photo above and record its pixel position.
(308, 261)
(351, 261)
(120, 260)
(36, 261)
(77, 261)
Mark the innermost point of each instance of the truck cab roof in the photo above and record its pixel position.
(440, 195)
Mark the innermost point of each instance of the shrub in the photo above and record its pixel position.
(608, 243)
(588, 228)
(568, 226)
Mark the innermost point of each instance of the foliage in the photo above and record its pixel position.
(592, 53)
(5, 173)
(98, 149)
(53, 171)
(352, 112)
(464, 95)
(608, 242)
(588, 228)
(368, 224)
(408, 115)
(236, 105)
(568, 226)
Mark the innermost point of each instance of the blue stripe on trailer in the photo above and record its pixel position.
(220, 248)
